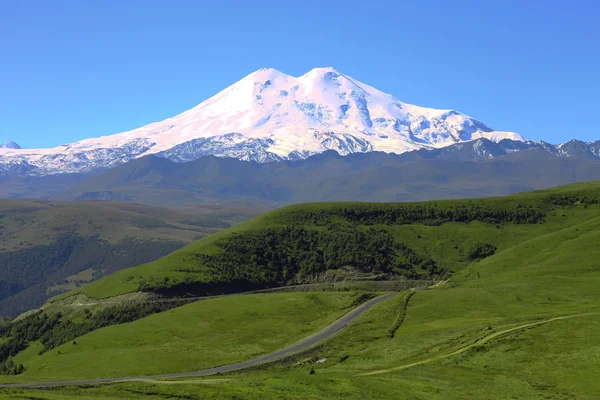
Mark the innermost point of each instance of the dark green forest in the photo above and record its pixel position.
(25, 274)
(292, 254)
(427, 214)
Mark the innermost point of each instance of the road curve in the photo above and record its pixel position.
(304, 344)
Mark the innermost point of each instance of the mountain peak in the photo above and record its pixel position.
(323, 70)
(264, 74)
(10, 145)
(314, 71)
(271, 116)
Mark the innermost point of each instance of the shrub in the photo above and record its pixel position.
(480, 251)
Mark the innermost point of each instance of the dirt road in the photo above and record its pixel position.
(478, 342)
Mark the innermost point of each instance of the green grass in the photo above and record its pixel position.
(29, 354)
(539, 272)
(554, 275)
(445, 244)
(200, 335)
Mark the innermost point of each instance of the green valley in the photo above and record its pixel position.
(47, 247)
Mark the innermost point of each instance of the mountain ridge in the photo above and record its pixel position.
(471, 169)
(474, 169)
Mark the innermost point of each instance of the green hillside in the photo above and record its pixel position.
(195, 336)
(47, 248)
(519, 316)
(297, 243)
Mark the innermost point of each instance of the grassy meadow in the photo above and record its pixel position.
(522, 323)
(196, 336)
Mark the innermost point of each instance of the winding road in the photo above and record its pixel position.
(302, 345)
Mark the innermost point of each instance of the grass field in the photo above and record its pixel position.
(523, 323)
(200, 335)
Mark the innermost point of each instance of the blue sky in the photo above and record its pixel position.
(76, 69)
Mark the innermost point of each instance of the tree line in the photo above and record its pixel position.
(572, 199)
(428, 214)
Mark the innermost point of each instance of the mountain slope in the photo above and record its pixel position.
(415, 175)
(47, 248)
(475, 169)
(269, 116)
(293, 243)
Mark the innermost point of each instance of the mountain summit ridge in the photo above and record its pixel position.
(270, 116)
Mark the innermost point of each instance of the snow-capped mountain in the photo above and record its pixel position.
(481, 150)
(270, 116)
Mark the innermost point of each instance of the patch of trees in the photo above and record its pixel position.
(572, 200)
(8, 367)
(282, 256)
(27, 267)
(428, 214)
(191, 287)
(479, 251)
(54, 330)
(27, 330)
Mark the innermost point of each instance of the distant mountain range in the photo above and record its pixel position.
(268, 116)
(474, 169)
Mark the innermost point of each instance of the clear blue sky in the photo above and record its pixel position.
(76, 69)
